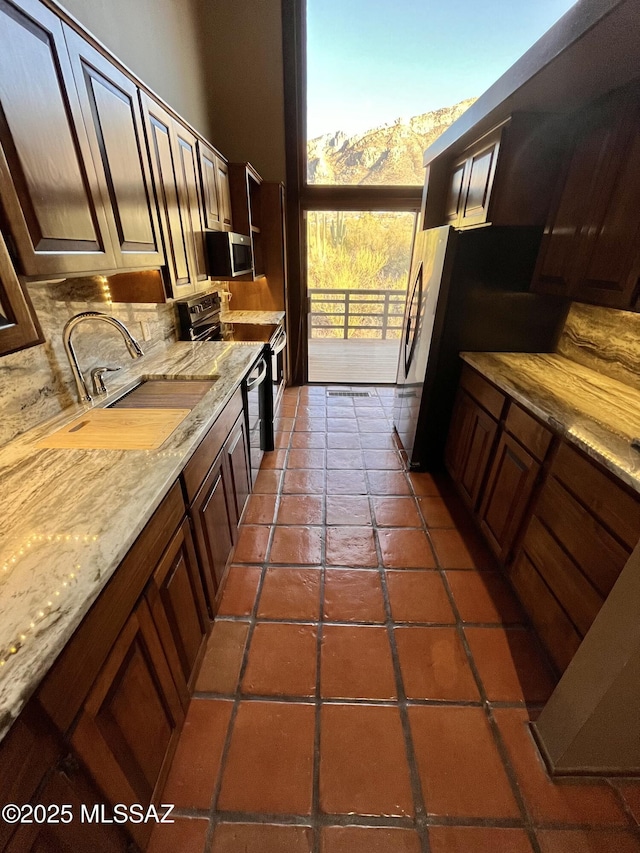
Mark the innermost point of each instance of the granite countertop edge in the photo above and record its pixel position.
(84, 509)
(597, 414)
(256, 318)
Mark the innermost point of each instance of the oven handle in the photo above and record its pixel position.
(259, 379)
(280, 344)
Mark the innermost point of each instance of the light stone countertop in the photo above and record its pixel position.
(69, 517)
(598, 414)
(257, 318)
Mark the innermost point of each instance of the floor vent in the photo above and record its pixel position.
(348, 394)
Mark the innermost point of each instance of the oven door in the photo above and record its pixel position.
(278, 344)
(256, 386)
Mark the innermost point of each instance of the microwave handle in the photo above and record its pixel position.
(259, 379)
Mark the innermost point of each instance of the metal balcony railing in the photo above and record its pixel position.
(353, 314)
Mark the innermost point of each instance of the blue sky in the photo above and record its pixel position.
(372, 61)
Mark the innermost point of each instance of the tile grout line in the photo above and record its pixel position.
(420, 817)
(503, 754)
(214, 813)
(317, 741)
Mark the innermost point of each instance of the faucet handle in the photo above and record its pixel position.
(99, 388)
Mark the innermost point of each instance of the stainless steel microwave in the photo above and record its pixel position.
(229, 254)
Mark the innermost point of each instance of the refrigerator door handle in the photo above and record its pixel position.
(411, 337)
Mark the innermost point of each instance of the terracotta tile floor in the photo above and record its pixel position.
(369, 679)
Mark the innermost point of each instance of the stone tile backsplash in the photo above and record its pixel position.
(604, 339)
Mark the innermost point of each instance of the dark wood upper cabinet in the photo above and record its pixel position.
(109, 102)
(505, 178)
(48, 184)
(590, 249)
(210, 192)
(187, 156)
(167, 176)
(18, 327)
(471, 183)
(224, 193)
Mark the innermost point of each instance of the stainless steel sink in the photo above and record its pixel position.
(164, 394)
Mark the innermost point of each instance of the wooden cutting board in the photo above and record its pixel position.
(117, 429)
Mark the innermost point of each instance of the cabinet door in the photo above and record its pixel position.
(214, 523)
(176, 599)
(48, 183)
(609, 254)
(68, 784)
(471, 183)
(210, 193)
(109, 102)
(590, 248)
(29, 749)
(224, 195)
(478, 182)
(187, 157)
(237, 450)
(473, 439)
(454, 194)
(509, 490)
(18, 327)
(131, 719)
(167, 179)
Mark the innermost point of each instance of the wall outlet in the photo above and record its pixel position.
(145, 331)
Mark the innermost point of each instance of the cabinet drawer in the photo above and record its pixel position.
(599, 555)
(198, 466)
(608, 501)
(555, 629)
(578, 598)
(528, 431)
(482, 392)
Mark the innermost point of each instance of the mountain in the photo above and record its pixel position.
(390, 154)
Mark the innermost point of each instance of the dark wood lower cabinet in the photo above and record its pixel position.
(217, 508)
(68, 784)
(102, 727)
(217, 481)
(561, 527)
(507, 494)
(580, 533)
(176, 599)
(214, 525)
(131, 719)
(469, 448)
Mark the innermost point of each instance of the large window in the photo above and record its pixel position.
(369, 85)
(384, 80)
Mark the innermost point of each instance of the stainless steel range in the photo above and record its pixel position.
(199, 317)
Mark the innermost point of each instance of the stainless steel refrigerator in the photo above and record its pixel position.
(468, 290)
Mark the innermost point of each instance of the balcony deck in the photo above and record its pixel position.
(353, 361)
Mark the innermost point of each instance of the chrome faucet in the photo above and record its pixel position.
(132, 344)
